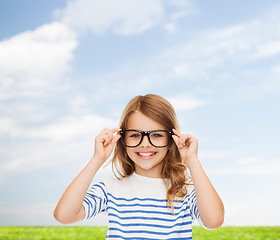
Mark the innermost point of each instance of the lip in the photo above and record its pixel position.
(146, 152)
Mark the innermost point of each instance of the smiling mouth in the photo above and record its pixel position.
(146, 154)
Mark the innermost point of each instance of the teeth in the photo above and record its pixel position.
(146, 154)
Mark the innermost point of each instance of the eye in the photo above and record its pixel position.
(134, 135)
(156, 135)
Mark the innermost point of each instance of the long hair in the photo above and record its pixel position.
(174, 170)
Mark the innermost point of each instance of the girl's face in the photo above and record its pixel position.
(147, 158)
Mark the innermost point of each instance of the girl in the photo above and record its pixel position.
(152, 196)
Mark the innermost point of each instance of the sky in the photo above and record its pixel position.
(68, 69)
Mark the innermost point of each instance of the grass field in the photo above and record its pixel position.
(98, 233)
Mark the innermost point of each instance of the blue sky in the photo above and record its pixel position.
(68, 68)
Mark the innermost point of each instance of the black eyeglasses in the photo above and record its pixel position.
(133, 138)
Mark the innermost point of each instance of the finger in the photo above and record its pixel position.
(107, 139)
(177, 133)
(187, 142)
(191, 139)
(109, 131)
(183, 141)
(114, 135)
(189, 136)
(179, 138)
(115, 130)
(177, 141)
(115, 139)
(107, 134)
(100, 138)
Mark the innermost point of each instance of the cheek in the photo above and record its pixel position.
(129, 153)
(163, 153)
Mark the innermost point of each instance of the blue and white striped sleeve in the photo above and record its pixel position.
(193, 205)
(95, 200)
(193, 208)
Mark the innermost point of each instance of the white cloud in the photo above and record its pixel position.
(221, 56)
(32, 61)
(171, 27)
(268, 49)
(123, 16)
(272, 83)
(250, 207)
(182, 103)
(217, 154)
(215, 49)
(235, 163)
(65, 129)
(39, 208)
(7, 126)
(78, 102)
(276, 69)
(183, 8)
(39, 214)
(66, 141)
(207, 62)
(248, 160)
(253, 167)
(216, 61)
(71, 128)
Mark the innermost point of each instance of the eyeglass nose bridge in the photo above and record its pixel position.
(145, 133)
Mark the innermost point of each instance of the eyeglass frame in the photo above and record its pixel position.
(143, 134)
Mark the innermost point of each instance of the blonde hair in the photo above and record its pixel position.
(174, 170)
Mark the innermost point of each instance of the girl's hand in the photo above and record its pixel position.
(187, 145)
(105, 142)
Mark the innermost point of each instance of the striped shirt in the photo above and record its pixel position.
(136, 208)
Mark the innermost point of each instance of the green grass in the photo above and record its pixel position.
(52, 233)
(237, 233)
(96, 233)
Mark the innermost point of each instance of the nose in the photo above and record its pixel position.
(145, 142)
